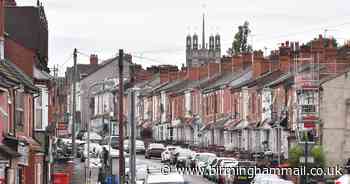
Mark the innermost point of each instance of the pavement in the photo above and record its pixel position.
(76, 171)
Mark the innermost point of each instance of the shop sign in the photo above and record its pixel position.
(24, 151)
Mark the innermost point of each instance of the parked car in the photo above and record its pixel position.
(219, 162)
(95, 151)
(344, 179)
(154, 150)
(94, 137)
(237, 178)
(166, 155)
(183, 157)
(201, 159)
(113, 141)
(139, 146)
(171, 178)
(174, 154)
(269, 178)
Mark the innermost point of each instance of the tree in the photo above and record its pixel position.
(240, 42)
(294, 155)
(319, 157)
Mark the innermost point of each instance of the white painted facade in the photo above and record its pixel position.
(41, 106)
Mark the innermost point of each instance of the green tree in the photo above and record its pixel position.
(240, 42)
(294, 155)
(319, 157)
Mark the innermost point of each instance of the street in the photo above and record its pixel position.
(76, 169)
(156, 162)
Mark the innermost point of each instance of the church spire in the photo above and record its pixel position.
(203, 33)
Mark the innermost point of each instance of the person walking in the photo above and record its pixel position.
(105, 155)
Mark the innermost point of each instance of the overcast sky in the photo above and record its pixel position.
(156, 29)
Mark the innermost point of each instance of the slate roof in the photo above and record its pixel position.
(11, 72)
(260, 81)
(33, 34)
(246, 77)
(225, 79)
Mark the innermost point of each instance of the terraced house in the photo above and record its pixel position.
(248, 103)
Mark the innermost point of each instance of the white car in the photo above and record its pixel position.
(173, 178)
(139, 146)
(343, 179)
(95, 151)
(201, 159)
(166, 155)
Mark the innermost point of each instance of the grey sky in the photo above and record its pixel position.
(156, 29)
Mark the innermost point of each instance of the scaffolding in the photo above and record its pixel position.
(307, 109)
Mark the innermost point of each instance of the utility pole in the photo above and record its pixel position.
(74, 117)
(132, 163)
(121, 121)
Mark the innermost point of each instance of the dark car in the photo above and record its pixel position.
(183, 157)
(154, 150)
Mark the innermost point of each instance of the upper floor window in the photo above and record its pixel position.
(19, 110)
(38, 112)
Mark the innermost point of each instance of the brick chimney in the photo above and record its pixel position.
(260, 64)
(285, 60)
(213, 69)
(166, 71)
(2, 29)
(93, 59)
(226, 66)
(237, 63)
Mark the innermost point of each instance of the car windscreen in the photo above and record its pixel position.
(114, 140)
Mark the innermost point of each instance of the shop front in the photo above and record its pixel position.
(31, 161)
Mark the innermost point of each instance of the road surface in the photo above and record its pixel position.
(157, 163)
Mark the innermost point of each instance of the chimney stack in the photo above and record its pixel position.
(2, 29)
(93, 59)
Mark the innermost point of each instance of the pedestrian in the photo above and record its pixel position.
(105, 155)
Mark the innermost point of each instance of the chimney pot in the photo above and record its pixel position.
(93, 59)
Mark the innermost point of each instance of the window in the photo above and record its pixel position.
(38, 112)
(19, 114)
